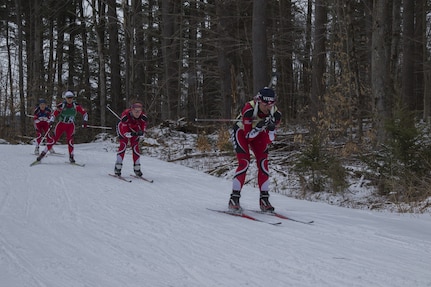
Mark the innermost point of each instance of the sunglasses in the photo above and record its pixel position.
(268, 103)
(137, 106)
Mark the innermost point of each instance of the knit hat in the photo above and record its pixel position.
(266, 95)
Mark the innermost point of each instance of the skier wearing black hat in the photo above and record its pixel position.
(255, 130)
(41, 115)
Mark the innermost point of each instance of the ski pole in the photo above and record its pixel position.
(46, 134)
(114, 113)
(217, 120)
(273, 80)
(221, 120)
(99, 127)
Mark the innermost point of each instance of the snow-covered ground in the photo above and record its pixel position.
(64, 225)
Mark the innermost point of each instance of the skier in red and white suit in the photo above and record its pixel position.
(131, 129)
(41, 115)
(66, 113)
(255, 131)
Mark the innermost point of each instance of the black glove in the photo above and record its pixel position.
(137, 134)
(261, 124)
(270, 123)
(270, 127)
(269, 120)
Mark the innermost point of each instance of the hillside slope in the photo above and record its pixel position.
(63, 225)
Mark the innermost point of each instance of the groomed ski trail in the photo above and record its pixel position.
(66, 226)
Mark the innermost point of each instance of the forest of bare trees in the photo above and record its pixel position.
(349, 66)
(355, 59)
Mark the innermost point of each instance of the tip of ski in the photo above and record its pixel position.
(48, 154)
(282, 216)
(35, 162)
(243, 215)
(75, 163)
(120, 177)
(143, 178)
(56, 153)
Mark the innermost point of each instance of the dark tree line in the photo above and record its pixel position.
(338, 62)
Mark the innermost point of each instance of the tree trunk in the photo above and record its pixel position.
(114, 55)
(282, 49)
(319, 57)
(421, 52)
(38, 71)
(306, 63)
(59, 53)
(380, 67)
(170, 60)
(20, 73)
(99, 22)
(427, 92)
(86, 87)
(140, 48)
(225, 65)
(396, 38)
(408, 75)
(50, 64)
(128, 53)
(72, 29)
(261, 74)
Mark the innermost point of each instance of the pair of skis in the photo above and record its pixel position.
(132, 175)
(50, 153)
(76, 163)
(247, 215)
(36, 162)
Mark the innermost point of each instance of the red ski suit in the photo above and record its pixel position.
(66, 114)
(126, 126)
(40, 122)
(250, 116)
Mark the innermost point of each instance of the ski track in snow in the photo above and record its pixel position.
(62, 225)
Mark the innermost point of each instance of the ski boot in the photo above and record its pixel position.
(39, 158)
(265, 205)
(137, 169)
(234, 205)
(117, 168)
(71, 159)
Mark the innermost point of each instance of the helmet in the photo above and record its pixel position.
(42, 101)
(266, 95)
(69, 94)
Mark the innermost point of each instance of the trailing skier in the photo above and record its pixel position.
(41, 115)
(130, 128)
